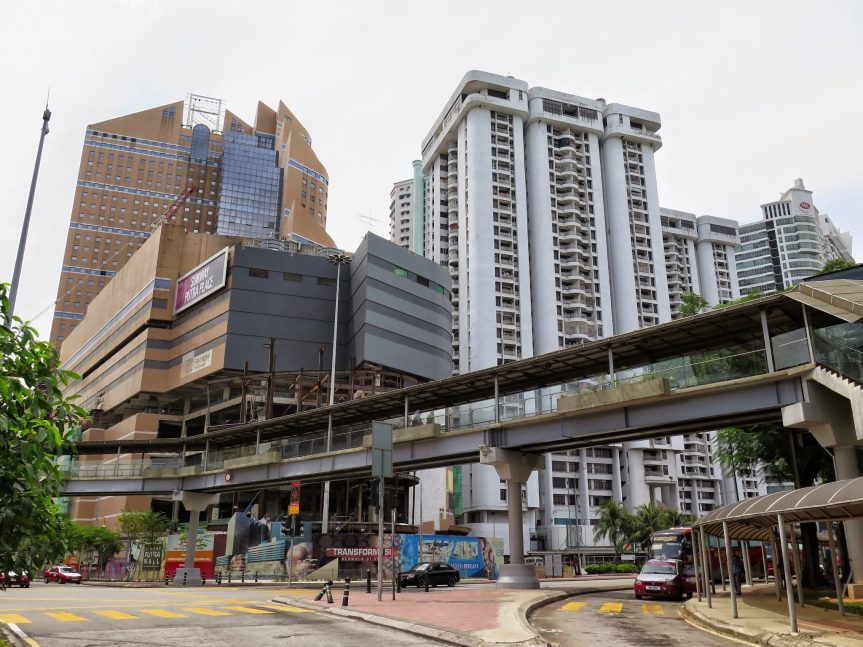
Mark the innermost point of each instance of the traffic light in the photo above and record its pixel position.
(284, 530)
(306, 530)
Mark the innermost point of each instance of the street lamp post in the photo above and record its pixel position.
(22, 243)
(338, 259)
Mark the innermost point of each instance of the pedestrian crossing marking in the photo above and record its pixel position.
(611, 607)
(206, 612)
(286, 607)
(163, 613)
(116, 615)
(573, 606)
(248, 610)
(14, 618)
(654, 609)
(64, 616)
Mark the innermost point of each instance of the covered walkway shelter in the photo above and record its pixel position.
(771, 519)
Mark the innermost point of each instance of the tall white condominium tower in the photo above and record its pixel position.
(527, 191)
(407, 211)
(699, 257)
(792, 241)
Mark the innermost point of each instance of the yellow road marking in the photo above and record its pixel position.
(14, 618)
(655, 609)
(573, 606)
(116, 615)
(63, 616)
(162, 613)
(611, 607)
(206, 612)
(249, 610)
(286, 607)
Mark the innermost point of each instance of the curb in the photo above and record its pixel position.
(766, 638)
(451, 637)
(15, 635)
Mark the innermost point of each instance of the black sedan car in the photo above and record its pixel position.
(435, 572)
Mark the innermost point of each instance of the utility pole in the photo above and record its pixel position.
(271, 345)
(22, 243)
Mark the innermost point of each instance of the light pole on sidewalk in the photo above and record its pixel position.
(338, 259)
(22, 243)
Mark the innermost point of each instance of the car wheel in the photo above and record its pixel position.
(77, 581)
(27, 586)
(637, 596)
(62, 581)
(421, 583)
(47, 580)
(451, 581)
(689, 595)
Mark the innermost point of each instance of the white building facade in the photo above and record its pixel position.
(791, 242)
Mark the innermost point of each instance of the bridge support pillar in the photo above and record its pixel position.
(195, 503)
(514, 468)
(831, 419)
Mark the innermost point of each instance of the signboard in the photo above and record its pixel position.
(202, 281)
(294, 506)
(151, 557)
(382, 449)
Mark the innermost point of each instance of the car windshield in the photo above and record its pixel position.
(420, 567)
(65, 569)
(659, 569)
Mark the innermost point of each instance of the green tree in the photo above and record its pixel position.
(615, 524)
(782, 455)
(35, 422)
(692, 304)
(649, 517)
(835, 265)
(749, 296)
(93, 543)
(145, 526)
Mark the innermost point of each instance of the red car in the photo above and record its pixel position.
(662, 578)
(13, 579)
(62, 574)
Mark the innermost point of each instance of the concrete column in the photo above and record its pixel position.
(514, 468)
(195, 503)
(786, 567)
(847, 467)
(616, 487)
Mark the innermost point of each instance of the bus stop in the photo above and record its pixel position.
(771, 519)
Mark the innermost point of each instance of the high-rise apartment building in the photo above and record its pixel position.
(401, 220)
(220, 174)
(792, 241)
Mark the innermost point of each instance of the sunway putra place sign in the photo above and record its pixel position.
(202, 281)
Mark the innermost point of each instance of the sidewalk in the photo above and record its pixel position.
(763, 620)
(465, 615)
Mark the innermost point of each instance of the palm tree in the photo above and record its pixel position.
(650, 517)
(613, 524)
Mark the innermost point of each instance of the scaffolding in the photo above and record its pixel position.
(209, 111)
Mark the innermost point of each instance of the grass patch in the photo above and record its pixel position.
(855, 607)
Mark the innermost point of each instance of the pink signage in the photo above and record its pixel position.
(202, 281)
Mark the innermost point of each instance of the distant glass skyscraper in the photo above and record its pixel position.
(255, 181)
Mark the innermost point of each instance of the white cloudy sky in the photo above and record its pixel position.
(752, 94)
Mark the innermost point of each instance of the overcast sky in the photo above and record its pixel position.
(752, 94)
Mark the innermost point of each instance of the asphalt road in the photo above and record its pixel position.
(56, 615)
(617, 619)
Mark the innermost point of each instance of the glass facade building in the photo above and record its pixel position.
(250, 199)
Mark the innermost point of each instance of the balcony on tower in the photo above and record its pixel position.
(632, 124)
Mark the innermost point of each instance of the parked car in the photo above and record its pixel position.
(662, 578)
(13, 579)
(62, 574)
(436, 572)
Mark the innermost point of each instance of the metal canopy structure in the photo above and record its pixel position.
(755, 518)
(734, 325)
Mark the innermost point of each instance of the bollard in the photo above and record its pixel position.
(184, 578)
(321, 594)
(242, 575)
(166, 579)
(256, 576)
(229, 577)
(203, 580)
(426, 583)
(328, 586)
(368, 581)
(347, 592)
(399, 582)
(219, 577)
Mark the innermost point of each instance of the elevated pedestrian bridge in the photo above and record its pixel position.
(736, 366)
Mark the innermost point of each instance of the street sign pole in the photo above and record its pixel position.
(382, 467)
(291, 551)
(381, 539)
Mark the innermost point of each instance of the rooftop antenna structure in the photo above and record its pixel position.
(200, 109)
(368, 221)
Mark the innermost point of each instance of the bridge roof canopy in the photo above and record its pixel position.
(755, 518)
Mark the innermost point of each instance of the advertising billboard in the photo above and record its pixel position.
(201, 282)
